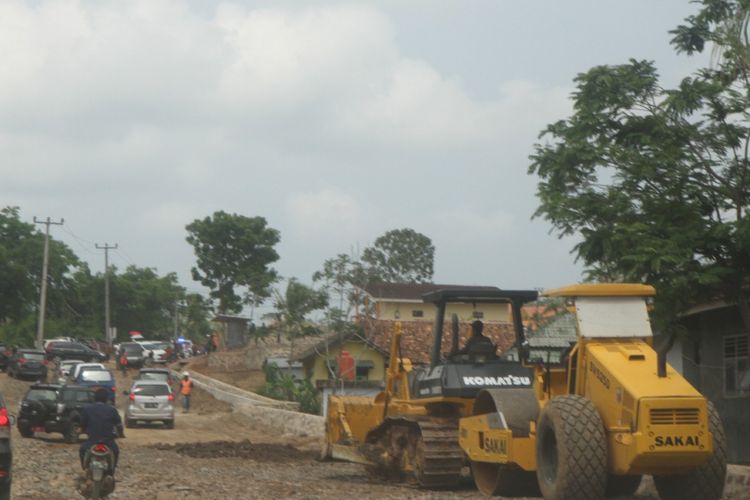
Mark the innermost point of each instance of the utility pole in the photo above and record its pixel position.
(107, 331)
(43, 292)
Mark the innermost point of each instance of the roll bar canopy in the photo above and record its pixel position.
(482, 295)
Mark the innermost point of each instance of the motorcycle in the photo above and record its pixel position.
(99, 479)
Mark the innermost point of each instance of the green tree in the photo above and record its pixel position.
(293, 307)
(343, 278)
(401, 256)
(234, 251)
(195, 324)
(21, 254)
(144, 301)
(655, 180)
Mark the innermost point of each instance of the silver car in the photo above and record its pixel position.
(150, 401)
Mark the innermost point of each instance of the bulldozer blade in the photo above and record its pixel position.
(348, 453)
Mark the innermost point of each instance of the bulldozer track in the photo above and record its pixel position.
(423, 450)
(438, 458)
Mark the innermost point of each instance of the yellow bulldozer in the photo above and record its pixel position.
(583, 422)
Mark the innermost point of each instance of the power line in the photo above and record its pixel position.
(125, 256)
(83, 243)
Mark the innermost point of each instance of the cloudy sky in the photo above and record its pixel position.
(336, 121)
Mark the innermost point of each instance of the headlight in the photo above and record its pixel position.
(60, 408)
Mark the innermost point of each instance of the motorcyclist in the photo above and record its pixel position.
(102, 423)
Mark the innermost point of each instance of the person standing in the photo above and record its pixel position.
(123, 362)
(186, 389)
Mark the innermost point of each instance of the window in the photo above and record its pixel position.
(417, 313)
(736, 366)
(477, 314)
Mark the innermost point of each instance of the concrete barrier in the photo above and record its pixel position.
(269, 413)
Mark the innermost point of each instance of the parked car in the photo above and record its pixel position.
(5, 354)
(156, 350)
(53, 408)
(97, 379)
(28, 363)
(73, 350)
(6, 450)
(136, 354)
(57, 339)
(154, 375)
(98, 345)
(77, 369)
(150, 401)
(65, 368)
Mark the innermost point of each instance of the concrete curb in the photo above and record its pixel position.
(269, 413)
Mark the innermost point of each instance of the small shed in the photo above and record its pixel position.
(233, 330)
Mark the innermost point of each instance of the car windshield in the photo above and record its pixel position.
(96, 376)
(151, 390)
(41, 395)
(33, 356)
(153, 376)
(133, 349)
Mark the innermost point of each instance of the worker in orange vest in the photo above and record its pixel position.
(186, 389)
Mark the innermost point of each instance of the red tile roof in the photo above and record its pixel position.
(416, 337)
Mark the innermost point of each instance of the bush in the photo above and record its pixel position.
(284, 387)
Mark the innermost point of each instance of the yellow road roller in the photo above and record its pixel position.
(598, 416)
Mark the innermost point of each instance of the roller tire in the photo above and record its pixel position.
(571, 450)
(705, 482)
(623, 486)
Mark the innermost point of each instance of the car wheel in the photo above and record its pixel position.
(25, 431)
(5, 490)
(169, 424)
(129, 423)
(72, 432)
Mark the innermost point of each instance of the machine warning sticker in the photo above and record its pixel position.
(510, 380)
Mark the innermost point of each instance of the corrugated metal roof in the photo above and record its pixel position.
(411, 291)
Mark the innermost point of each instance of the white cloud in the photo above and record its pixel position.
(323, 213)
(152, 113)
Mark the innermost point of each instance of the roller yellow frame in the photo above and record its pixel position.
(642, 416)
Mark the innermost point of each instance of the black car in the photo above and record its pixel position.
(136, 354)
(54, 408)
(5, 354)
(74, 350)
(28, 363)
(6, 452)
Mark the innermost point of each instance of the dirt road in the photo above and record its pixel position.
(212, 453)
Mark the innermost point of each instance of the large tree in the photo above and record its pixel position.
(144, 301)
(234, 251)
(401, 256)
(657, 181)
